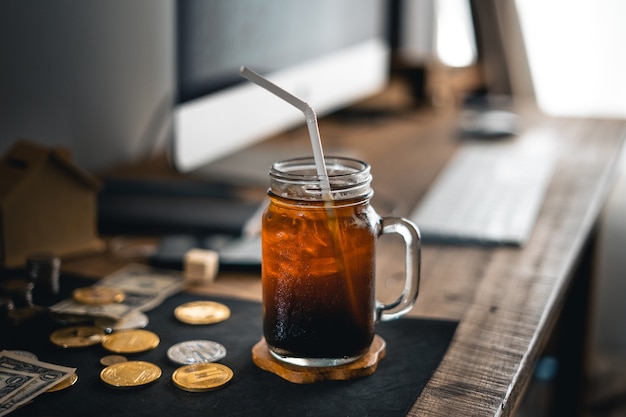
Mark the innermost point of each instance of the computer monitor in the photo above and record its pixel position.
(114, 81)
(329, 53)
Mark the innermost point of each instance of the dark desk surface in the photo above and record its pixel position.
(507, 300)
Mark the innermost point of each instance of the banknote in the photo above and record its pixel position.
(115, 311)
(48, 375)
(144, 288)
(143, 279)
(11, 381)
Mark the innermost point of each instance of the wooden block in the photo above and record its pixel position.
(200, 266)
(364, 366)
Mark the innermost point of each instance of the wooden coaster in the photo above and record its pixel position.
(364, 366)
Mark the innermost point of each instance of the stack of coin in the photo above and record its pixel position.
(43, 270)
(6, 307)
(19, 290)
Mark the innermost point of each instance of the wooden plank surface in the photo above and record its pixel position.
(518, 293)
(506, 299)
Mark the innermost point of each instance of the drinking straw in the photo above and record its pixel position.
(320, 165)
(311, 121)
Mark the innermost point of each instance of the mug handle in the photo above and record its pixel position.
(412, 268)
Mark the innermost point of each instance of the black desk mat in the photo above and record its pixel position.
(414, 350)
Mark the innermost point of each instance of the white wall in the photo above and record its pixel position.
(577, 55)
(94, 76)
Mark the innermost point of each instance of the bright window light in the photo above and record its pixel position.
(455, 41)
(576, 56)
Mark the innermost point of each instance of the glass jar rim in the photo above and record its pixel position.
(304, 169)
(297, 178)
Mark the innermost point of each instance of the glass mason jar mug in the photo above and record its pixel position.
(318, 263)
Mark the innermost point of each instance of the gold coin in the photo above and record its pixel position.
(77, 336)
(112, 359)
(130, 374)
(200, 377)
(66, 383)
(130, 341)
(202, 312)
(97, 295)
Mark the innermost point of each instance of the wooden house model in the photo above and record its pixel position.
(47, 204)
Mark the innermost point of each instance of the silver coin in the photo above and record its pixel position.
(25, 354)
(134, 320)
(196, 351)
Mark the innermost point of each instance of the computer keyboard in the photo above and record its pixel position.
(489, 193)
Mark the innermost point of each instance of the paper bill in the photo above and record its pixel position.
(144, 288)
(48, 375)
(11, 381)
(142, 279)
(115, 311)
